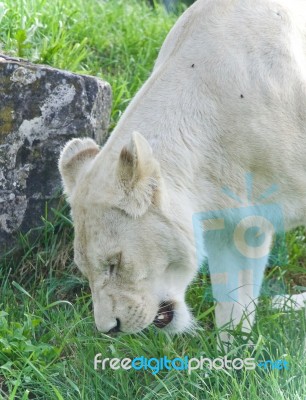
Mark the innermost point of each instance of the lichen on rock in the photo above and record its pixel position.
(41, 109)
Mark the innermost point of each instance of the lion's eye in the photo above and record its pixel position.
(112, 268)
(113, 263)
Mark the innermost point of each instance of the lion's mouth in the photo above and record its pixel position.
(164, 315)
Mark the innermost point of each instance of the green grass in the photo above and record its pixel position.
(47, 335)
(114, 40)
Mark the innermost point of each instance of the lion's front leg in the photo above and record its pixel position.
(236, 264)
(235, 306)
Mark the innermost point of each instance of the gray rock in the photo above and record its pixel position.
(41, 109)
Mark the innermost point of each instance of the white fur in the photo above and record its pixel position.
(227, 96)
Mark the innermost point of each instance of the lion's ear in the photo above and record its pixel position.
(74, 157)
(139, 176)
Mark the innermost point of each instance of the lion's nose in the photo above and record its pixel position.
(116, 328)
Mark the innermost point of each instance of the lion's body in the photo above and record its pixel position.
(226, 98)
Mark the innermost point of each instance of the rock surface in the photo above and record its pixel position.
(40, 109)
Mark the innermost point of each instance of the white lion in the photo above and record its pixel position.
(226, 100)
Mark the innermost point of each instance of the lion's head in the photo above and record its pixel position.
(133, 254)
